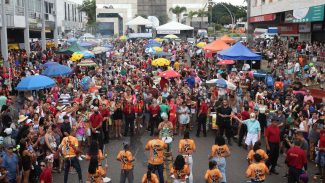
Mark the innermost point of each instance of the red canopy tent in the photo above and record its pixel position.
(228, 39)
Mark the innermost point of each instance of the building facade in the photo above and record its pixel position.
(296, 19)
(116, 13)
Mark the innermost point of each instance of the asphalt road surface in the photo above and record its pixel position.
(235, 170)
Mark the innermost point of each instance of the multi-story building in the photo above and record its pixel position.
(116, 13)
(64, 12)
(298, 19)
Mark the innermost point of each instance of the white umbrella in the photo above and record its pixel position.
(231, 86)
(212, 81)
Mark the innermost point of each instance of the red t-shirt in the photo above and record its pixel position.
(273, 134)
(138, 107)
(322, 139)
(46, 176)
(204, 108)
(296, 157)
(154, 110)
(95, 120)
(128, 108)
(104, 112)
(245, 115)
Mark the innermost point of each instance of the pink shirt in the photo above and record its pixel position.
(308, 97)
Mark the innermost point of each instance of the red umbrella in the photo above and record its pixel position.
(169, 74)
(225, 62)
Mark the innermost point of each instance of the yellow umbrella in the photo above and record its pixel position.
(201, 44)
(157, 49)
(161, 62)
(123, 37)
(171, 36)
(158, 39)
(76, 56)
(13, 46)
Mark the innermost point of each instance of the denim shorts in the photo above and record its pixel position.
(320, 159)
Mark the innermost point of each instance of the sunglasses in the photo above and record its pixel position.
(42, 165)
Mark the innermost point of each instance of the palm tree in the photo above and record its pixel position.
(202, 13)
(178, 11)
(89, 7)
(190, 15)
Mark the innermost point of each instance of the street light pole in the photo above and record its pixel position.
(55, 32)
(249, 26)
(43, 34)
(26, 30)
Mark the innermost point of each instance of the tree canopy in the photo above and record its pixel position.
(220, 15)
(178, 11)
(89, 7)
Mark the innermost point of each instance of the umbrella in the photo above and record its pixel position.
(50, 63)
(87, 54)
(76, 56)
(158, 39)
(152, 44)
(87, 63)
(201, 44)
(221, 83)
(85, 44)
(72, 40)
(157, 49)
(169, 74)
(161, 54)
(88, 35)
(212, 81)
(225, 62)
(57, 70)
(35, 82)
(259, 74)
(231, 86)
(161, 62)
(123, 38)
(171, 36)
(150, 50)
(108, 45)
(98, 50)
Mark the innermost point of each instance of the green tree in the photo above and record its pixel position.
(202, 13)
(190, 15)
(219, 12)
(178, 11)
(89, 7)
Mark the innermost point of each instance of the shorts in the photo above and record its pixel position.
(251, 139)
(320, 159)
(80, 137)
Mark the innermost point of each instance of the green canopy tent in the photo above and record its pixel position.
(71, 49)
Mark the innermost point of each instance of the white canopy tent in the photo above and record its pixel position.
(173, 28)
(139, 21)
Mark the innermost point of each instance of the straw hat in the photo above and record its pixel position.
(22, 118)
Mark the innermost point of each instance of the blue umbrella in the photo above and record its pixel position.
(50, 63)
(72, 40)
(57, 70)
(108, 45)
(259, 74)
(153, 44)
(88, 55)
(85, 44)
(161, 54)
(35, 82)
(221, 83)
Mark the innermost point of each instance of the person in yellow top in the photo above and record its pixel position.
(156, 148)
(256, 150)
(186, 147)
(219, 152)
(213, 175)
(126, 158)
(257, 170)
(149, 177)
(69, 149)
(177, 65)
(179, 170)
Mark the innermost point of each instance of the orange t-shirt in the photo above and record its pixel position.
(156, 148)
(66, 144)
(186, 146)
(278, 85)
(213, 176)
(154, 179)
(98, 177)
(126, 159)
(180, 174)
(257, 171)
(261, 152)
(219, 151)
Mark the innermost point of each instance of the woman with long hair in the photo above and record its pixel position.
(149, 177)
(95, 170)
(256, 150)
(26, 155)
(179, 170)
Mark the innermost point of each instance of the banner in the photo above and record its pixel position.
(304, 28)
(168, 31)
(140, 35)
(262, 18)
(312, 14)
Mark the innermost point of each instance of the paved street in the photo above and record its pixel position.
(236, 164)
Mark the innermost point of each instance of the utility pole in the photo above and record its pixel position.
(55, 32)
(26, 30)
(4, 38)
(249, 26)
(43, 34)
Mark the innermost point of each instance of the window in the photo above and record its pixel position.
(65, 11)
(68, 12)
(7, 1)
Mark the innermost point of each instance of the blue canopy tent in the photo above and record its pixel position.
(238, 52)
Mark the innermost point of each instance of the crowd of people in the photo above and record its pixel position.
(52, 129)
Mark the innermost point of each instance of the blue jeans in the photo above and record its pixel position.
(74, 162)
(221, 164)
(159, 169)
